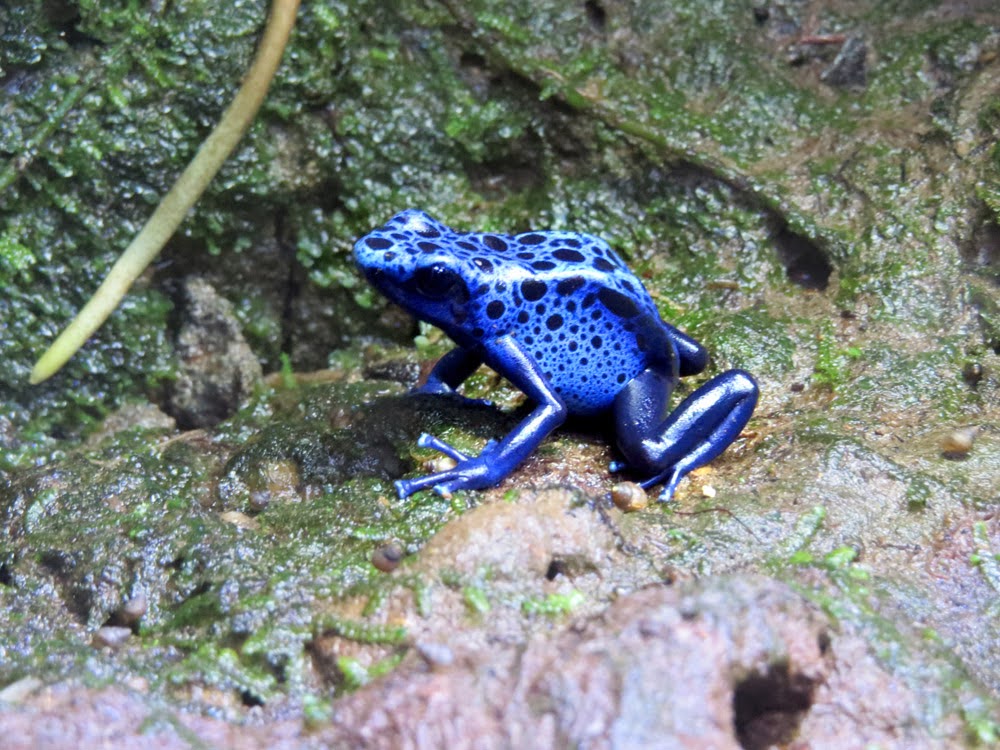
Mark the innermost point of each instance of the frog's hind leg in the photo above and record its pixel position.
(697, 431)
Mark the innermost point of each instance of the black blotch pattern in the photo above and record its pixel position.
(533, 290)
(602, 265)
(618, 303)
(569, 286)
(483, 265)
(428, 247)
(531, 239)
(496, 309)
(543, 265)
(378, 243)
(568, 255)
(494, 243)
(554, 322)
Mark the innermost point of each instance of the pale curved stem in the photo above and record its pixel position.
(176, 203)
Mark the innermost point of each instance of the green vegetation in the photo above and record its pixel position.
(731, 179)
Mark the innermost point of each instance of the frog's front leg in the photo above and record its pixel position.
(697, 431)
(453, 369)
(497, 460)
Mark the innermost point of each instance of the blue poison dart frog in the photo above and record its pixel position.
(560, 316)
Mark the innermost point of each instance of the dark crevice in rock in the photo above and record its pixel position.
(982, 252)
(293, 284)
(824, 642)
(556, 568)
(805, 263)
(596, 14)
(250, 700)
(768, 708)
(981, 257)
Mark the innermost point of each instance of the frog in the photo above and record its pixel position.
(563, 319)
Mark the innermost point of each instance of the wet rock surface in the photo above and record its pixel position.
(818, 209)
(218, 370)
(732, 663)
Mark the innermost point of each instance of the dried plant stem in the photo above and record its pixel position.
(182, 196)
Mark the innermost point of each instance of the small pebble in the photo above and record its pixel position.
(441, 463)
(387, 557)
(708, 491)
(958, 442)
(112, 636)
(435, 654)
(134, 608)
(239, 520)
(629, 496)
(972, 373)
(17, 691)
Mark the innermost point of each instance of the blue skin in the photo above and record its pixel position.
(560, 316)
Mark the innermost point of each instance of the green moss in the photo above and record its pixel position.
(554, 605)
(476, 600)
(682, 135)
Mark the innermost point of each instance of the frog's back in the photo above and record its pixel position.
(567, 298)
(579, 312)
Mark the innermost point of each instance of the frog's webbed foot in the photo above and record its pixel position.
(497, 460)
(469, 473)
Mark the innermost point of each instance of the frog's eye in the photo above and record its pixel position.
(435, 281)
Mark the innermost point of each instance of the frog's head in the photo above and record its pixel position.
(410, 261)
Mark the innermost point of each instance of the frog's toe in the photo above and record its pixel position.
(673, 478)
(429, 441)
(669, 479)
(407, 487)
(444, 490)
(476, 401)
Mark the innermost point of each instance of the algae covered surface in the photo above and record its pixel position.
(812, 189)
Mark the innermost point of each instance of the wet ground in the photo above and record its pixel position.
(200, 555)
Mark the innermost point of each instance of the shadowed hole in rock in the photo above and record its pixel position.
(804, 262)
(768, 708)
(596, 14)
(981, 257)
(823, 641)
(6, 578)
(982, 252)
(250, 700)
(556, 567)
